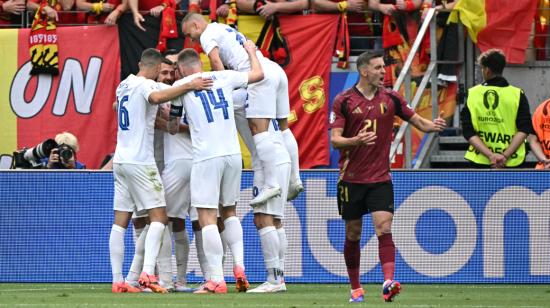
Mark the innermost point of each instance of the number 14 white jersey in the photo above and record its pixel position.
(210, 114)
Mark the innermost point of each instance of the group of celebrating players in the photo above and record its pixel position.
(200, 115)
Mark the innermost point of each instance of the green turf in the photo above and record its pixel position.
(303, 295)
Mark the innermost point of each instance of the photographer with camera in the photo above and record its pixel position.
(64, 155)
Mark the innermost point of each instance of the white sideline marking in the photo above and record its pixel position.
(50, 289)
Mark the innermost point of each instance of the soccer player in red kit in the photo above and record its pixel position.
(362, 122)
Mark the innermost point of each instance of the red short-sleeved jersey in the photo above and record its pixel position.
(351, 112)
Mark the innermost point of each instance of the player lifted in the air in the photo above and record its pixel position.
(267, 99)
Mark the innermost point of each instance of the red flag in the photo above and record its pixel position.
(508, 27)
(310, 40)
(79, 100)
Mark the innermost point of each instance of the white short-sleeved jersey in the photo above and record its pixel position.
(136, 121)
(230, 44)
(210, 114)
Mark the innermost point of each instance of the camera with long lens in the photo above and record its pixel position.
(30, 158)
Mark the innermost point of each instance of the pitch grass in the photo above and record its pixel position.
(303, 295)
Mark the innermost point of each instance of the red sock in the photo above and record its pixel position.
(352, 255)
(386, 252)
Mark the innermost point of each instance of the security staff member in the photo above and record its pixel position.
(496, 119)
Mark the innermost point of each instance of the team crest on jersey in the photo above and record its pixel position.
(332, 117)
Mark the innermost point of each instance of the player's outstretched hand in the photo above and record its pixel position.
(439, 123)
(249, 46)
(201, 83)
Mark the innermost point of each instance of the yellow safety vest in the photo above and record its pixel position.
(494, 111)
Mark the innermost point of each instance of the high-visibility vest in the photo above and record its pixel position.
(541, 124)
(493, 111)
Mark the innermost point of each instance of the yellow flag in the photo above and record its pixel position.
(471, 14)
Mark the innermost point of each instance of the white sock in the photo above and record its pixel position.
(139, 252)
(181, 247)
(292, 147)
(152, 246)
(267, 155)
(200, 254)
(116, 251)
(283, 244)
(233, 235)
(224, 245)
(136, 233)
(270, 248)
(165, 258)
(213, 251)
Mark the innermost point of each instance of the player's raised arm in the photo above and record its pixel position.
(256, 73)
(162, 96)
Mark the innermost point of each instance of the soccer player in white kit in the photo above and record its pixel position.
(217, 164)
(137, 180)
(268, 99)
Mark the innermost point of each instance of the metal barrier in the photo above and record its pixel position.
(431, 75)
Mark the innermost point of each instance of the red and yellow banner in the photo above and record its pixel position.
(502, 24)
(310, 42)
(79, 100)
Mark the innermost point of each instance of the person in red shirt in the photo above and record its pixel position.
(362, 123)
(106, 12)
(10, 12)
(62, 11)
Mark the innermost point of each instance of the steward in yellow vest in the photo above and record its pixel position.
(496, 118)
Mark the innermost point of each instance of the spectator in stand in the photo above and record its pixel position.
(355, 6)
(270, 8)
(11, 12)
(63, 11)
(102, 12)
(153, 7)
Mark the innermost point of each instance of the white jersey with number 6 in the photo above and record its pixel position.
(136, 121)
(210, 114)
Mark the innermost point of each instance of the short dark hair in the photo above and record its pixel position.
(494, 60)
(188, 56)
(169, 52)
(366, 56)
(166, 61)
(151, 56)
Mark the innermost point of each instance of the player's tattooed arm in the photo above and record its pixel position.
(163, 96)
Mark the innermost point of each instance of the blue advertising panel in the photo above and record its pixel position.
(449, 227)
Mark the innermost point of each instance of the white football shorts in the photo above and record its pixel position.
(268, 99)
(175, 177)
(276, 206)
(137, 187)
(216, 181)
